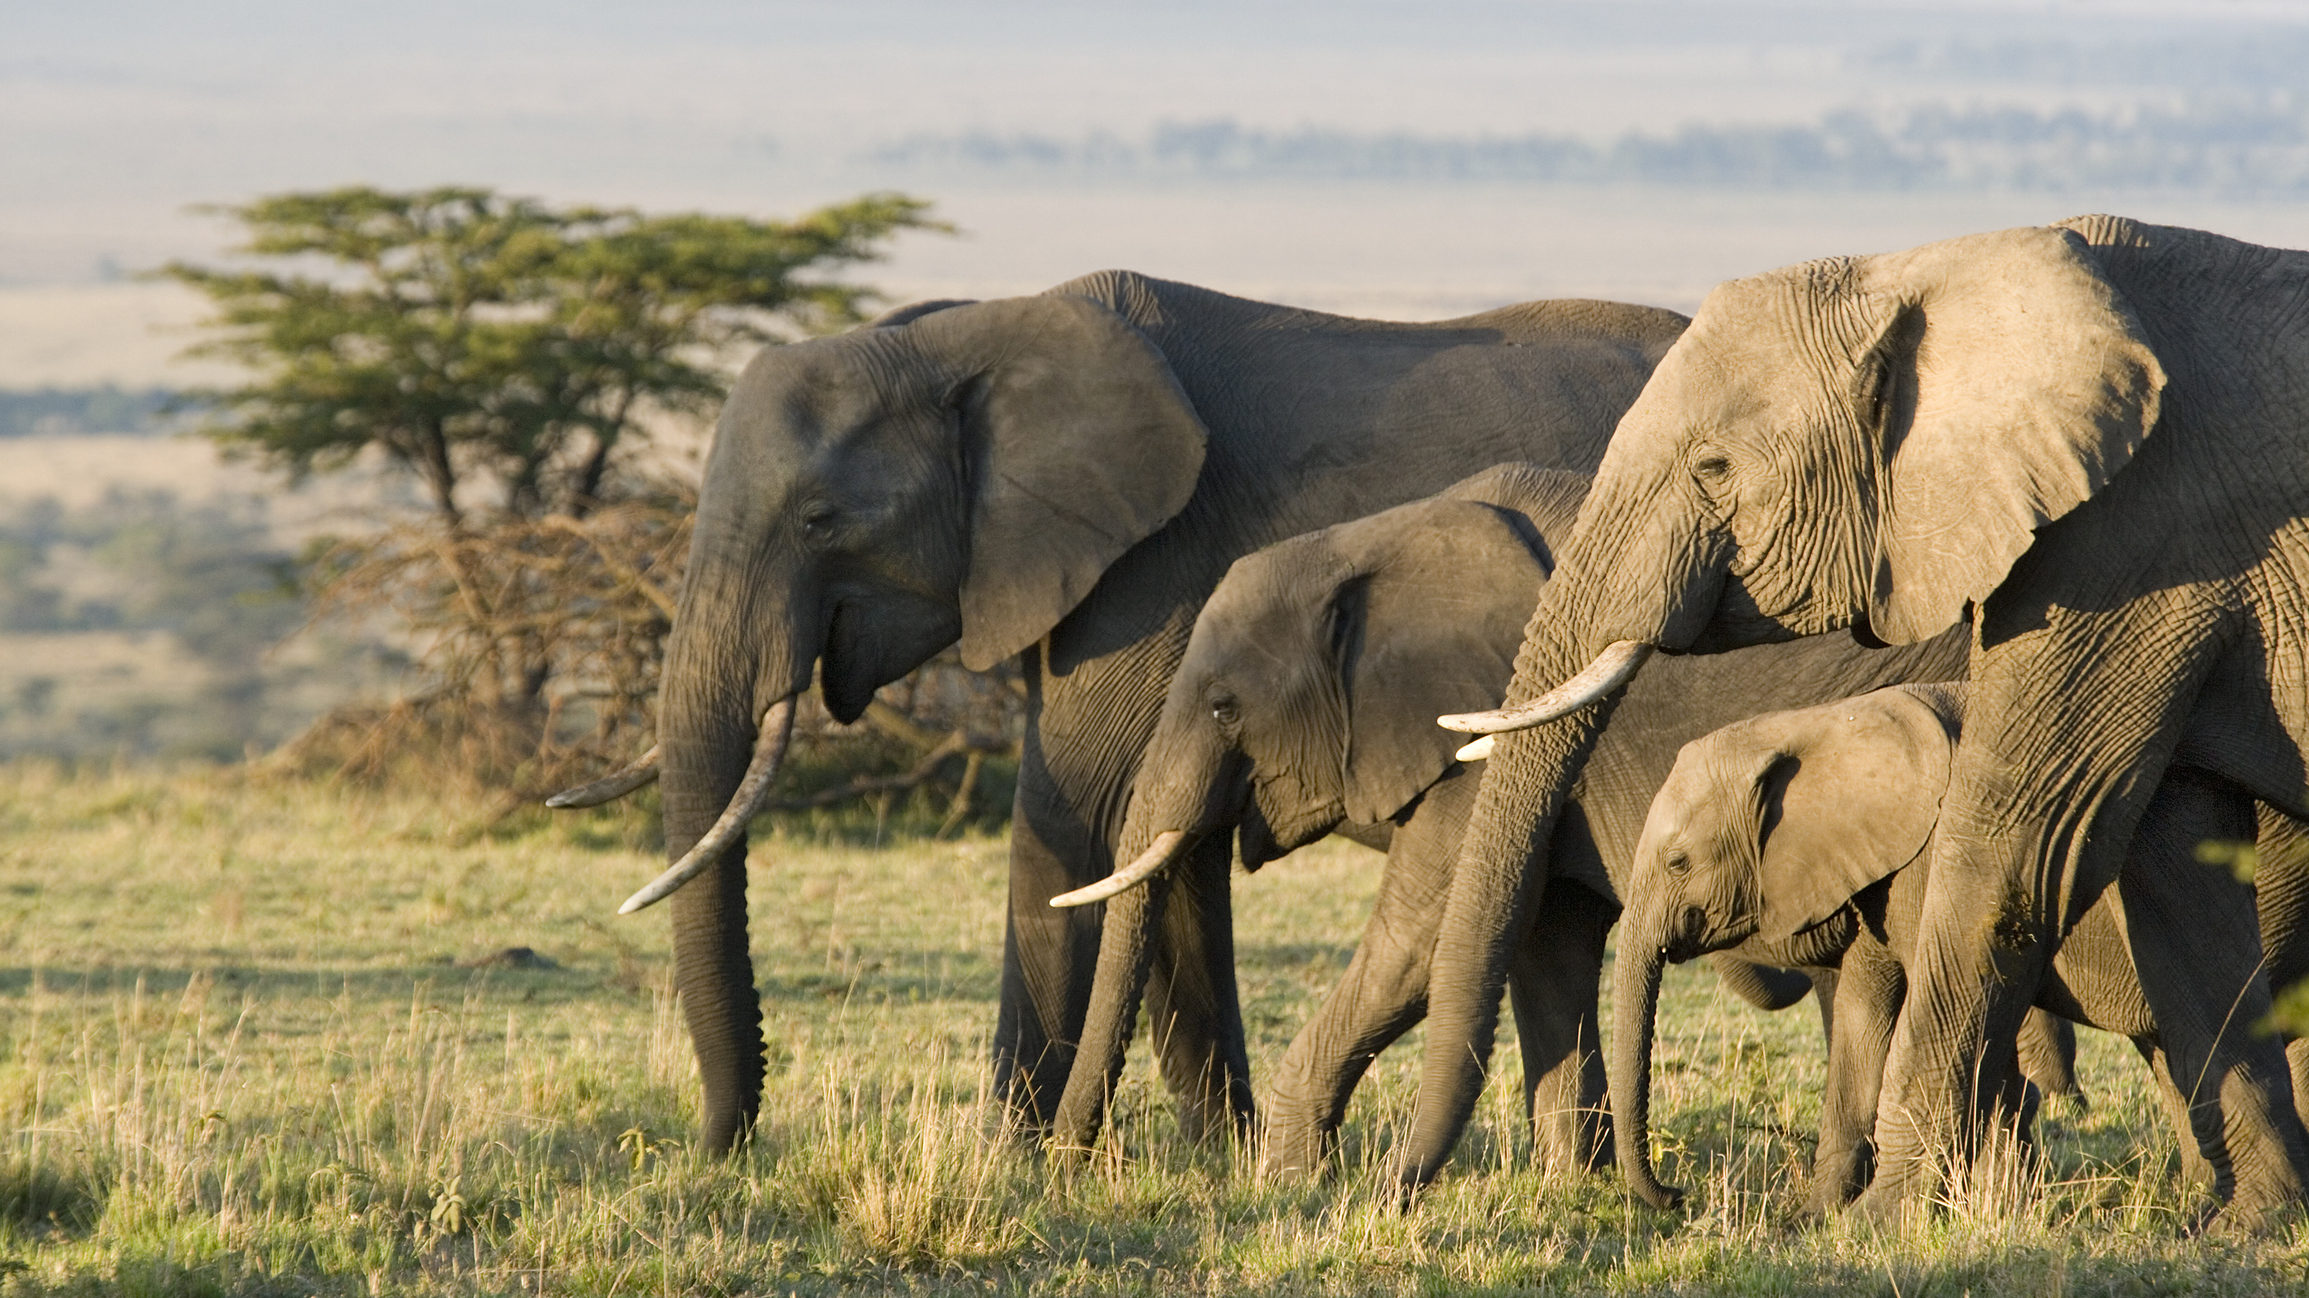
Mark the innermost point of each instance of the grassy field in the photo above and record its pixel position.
(259, 1037)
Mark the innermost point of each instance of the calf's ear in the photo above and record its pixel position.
(1853, 797)
(1429, 625)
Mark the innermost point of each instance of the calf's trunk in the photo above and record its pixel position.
(1635, 1008)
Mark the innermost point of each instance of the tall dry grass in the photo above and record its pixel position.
(276, 1038)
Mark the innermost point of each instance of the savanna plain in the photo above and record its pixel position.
(262, 1035)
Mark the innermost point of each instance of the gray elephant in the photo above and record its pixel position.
(1063, 476)
(1798, 837)
(2092, 439)
(1305, 706)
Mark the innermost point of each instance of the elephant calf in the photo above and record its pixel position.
(1799, 838)
(1306, 704)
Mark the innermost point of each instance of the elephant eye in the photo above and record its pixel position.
(1711, 468)
(1677, 864)
(1223, 711)
(818, 522)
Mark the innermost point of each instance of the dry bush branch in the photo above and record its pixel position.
(541, 642)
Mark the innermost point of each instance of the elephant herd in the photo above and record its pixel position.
(2051, 485)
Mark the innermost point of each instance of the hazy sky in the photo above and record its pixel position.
(116, 116)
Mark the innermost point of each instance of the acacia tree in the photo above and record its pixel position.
(475, 338)
(512, 356)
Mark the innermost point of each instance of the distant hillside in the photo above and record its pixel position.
(2256, 147)
(108, 408)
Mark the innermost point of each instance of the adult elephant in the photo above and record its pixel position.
(1305, 706)
(1063, 476)
(2094, 437)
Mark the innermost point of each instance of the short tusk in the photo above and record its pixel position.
(610, 787)
(1610, 670)
(769, 751)
(1478, 750)
(1149, 864)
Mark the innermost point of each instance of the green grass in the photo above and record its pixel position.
(248, 1044)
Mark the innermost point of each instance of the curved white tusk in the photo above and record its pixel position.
(1149, 864)
(1478, 750)
(610, 787)
(1610, 670)
(769, 751)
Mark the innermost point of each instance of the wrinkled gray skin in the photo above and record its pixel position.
(1064, 476)
(2096, 435)
(1306, 704)
(1798, 837)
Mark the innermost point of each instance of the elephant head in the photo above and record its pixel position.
(1763, 833)
(1305, 703)
(960, 472)
(1866, 443)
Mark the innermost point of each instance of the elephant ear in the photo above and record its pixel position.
(1853, 799)
(1429, 623)
(1078, 443)
(2013, 382)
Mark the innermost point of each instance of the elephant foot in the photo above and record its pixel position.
(2255, 1219)
(2261, 1206)
(1296, 1150)
(1886, 1205)
(1410, 1183)
(1579, 1144)
(1200, 1127)
(1836, 1182)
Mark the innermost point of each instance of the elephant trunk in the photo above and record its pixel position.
(716, 764)
(1125, 959)
(1635, 1008)
(1503, 871)
(1175, 803)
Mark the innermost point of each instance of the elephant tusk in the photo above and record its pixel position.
(769, 751)
(1610, 670)
(1478, 750)
(1149, 864)
(610, 787)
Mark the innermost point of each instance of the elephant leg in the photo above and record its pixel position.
(1194, 1013)
(2195, 943)
(2281, 895)
(2047, 1048)
(1552, 985)
(1086, 730)
(1382, 994)
(2195, 1171)
(2071, 723)
(1048, 955)
(1865, 1003)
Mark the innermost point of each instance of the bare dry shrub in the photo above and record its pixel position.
(541, 640)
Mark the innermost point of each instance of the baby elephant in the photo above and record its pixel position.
(1797, 838)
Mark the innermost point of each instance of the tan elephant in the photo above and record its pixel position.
(2092, 439)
